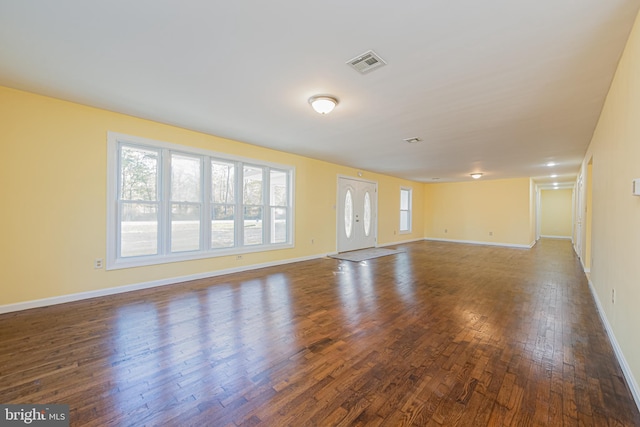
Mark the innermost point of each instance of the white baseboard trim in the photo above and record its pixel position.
(8, 308)
(555, 237)
(626, 370)
(400, 242)
(473, 242)
(585, 269)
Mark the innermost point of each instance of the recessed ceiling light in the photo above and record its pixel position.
(554, 176)
(476, 175)
(551, 164)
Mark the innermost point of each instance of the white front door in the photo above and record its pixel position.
(357, 214)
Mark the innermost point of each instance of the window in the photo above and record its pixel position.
(253, 206)
(223, 204)
(405, 210)
(186, 203)
(279, 205)
(172, 203)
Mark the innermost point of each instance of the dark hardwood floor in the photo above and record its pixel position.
(443, 334)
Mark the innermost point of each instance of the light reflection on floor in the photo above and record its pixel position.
(356, 290)
(404, 281)
(220, 332)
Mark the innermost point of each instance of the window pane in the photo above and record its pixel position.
(404, 220)
(185, 227)
(278, 188)
(223, 182)
(278, 225)
(252, 225)
(252, 185)
(185, 178)
(367, 214)
(138, 229)
(222, 226)
(138, 174)
(348, 214)
(404, 199)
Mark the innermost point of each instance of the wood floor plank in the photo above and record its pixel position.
(441, 334)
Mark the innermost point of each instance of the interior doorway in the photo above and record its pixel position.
(357, 210)
(587, 259)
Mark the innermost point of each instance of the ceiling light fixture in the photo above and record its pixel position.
(323, 104)
(551, 164)
(476, 175)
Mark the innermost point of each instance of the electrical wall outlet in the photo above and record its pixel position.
(613, 296)
(98, 263)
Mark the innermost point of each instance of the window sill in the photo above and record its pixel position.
(143, 261)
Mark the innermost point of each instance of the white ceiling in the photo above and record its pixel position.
(497, 86)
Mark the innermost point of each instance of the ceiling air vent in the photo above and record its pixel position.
(413, 140)
(366, 62)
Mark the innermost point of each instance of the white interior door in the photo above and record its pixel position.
(579, 197)
(357, 214)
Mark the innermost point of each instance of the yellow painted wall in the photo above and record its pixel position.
(556, 218)
(53, 192)
(615, 225)
(470, 211)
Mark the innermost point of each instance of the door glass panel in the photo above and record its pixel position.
(348, 214)
(367, 214)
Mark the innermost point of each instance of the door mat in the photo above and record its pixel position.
(365, 254)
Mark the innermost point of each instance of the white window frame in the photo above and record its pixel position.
(114, 261)
(409, 211)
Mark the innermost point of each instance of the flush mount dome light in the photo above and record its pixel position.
(476, 175)
(323, 104)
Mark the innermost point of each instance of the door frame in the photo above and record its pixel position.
(374, 223)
